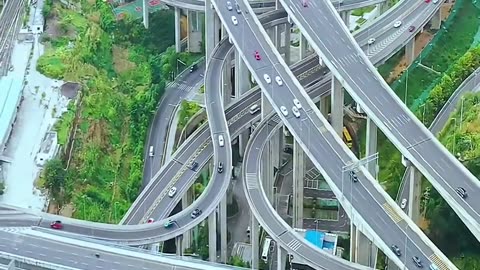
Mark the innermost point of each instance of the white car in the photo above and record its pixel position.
(234, 20)
(229, 5)
(279, 80)
(297, 103)
(435, 1)
(371, 41)
(267, 78)
(172, 192)
(221, 141)
(397, 24)
(284, 110)
(296, 112)
(403, 204)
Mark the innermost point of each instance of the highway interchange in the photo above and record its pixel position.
(184, 155)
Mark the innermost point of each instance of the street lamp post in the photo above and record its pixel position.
(406, 87)
(461, 113)
(424, 105)
(115, 211)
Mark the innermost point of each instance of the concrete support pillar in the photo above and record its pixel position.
(255, 240)
(212, 26)
(187, 199)
(11, 265)
(410, 51)
(383, 7)
(223, 229)
(336, 114)
(270, 163)
(437, 19)
(242, 85)
(227, 82)
(287, 43)
(178, 244)
(353, 243)
(324, 105)
(414, 194)
(145, 13)
(371, 145)
(345, 15)
(281, 258)
(178, 36)
(194, 38)
(298, 175)
(212, 237)
(266, 106)
(278, 36)
(303, 47)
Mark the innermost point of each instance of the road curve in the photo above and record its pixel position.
(330, 38)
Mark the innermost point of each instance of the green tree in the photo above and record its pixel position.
(55, 178)
(238, 261)
(2, 188)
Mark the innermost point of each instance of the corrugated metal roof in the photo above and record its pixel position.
(10, 94)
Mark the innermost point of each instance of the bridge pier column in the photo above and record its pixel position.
(324, 105)
(281, 258)
(410, 51)
(223, 229)
(187, 199)
(178, 36)
(383, 7)
(145, 10)
(303, 47)
(11, 265)
(266, 106)
(336, 114)
(255, 241)
(345, 15)
(227, 80)
(194, 34)
(212, 237)
(287, 43)
(437, 19)
(298, 175)
(212, 29)
(414, 194)
(366, 251)
(270, 163)
(242, 85)
(179, 247)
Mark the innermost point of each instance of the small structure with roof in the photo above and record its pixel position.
(325, 241)
(10, 97)
(48, 149)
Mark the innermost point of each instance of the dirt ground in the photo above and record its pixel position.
(66, 211)
(421, 40)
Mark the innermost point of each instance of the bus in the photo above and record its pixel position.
(347, 138)
(266, 249)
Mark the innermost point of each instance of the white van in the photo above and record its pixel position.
(150, 151)
(255, 108)
(433, 267)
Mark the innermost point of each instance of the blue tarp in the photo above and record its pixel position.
(315, 238)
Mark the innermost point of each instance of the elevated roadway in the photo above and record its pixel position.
(372, 204)
(330, 38)
(199, 148)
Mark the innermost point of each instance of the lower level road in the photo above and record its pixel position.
(54, 252)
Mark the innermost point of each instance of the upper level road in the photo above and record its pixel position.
(55, 252)
(375, 213)
(330, 38)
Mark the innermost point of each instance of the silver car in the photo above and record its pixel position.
(229, 5)
(296, 112)
(284, 110)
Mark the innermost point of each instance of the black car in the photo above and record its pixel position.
(237, 8)
(396, 250)
(461, 192)
(353, 176)
(220, 167)
(197, 212)
(193, 67)
(194, 166)
(417, 261)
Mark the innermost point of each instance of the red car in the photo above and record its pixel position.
(257, 56)
(57, 225)
(411, 28)
(150, 220)
(428, 1)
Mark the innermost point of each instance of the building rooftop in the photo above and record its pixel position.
(10, 94)
(325, 241)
